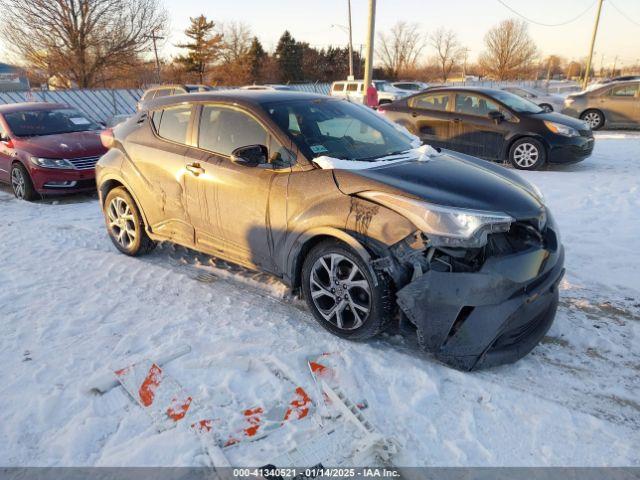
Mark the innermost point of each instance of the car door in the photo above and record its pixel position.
(621, 105)
(159, 159)
(6, 153)
(430, 118)
(473, 131)
(250, 201)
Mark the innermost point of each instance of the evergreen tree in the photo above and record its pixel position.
(289, 57)
(256, 57)
(203, 48)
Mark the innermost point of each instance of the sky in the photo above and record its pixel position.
(311, 21)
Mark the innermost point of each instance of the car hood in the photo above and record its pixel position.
(64, 145)
(449, 179)
(560, 118)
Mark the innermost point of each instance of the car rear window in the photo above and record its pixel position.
(173, 123)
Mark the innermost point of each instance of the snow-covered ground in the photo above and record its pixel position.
(71, 306)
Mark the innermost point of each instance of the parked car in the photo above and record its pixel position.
(47, 148)
(616, 105)
(268, 87)
(168, 90)
(354, 91)
(411, 87)
(494, 125)
(465, 249)
(548, 102)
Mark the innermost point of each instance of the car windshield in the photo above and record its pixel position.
(31, 123)
(516, 103)
(338, 129)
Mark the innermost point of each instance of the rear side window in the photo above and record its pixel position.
(352, 87)
(222, 130)
(173, 123)
(338, 87)
(433, 101)
(624, 90)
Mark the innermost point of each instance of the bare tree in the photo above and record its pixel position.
(400, 48)
(80, 40)
(236, 41)
(509, 49)
(448, 50)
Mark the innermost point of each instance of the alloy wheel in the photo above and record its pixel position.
(593, 119)
(526, 155)
(340, 291)
(122, 223)
(18, 183)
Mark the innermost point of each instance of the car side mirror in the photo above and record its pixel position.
(250, 155)
(496, 116)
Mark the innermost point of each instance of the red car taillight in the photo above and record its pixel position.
(9, 143)
(106, 137)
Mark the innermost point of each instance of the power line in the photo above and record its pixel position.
(623, 14)
(548, 24)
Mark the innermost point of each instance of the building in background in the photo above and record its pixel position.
(12, 78)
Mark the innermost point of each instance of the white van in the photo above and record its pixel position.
(354, 91)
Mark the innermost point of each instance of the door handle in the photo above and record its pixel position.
(195, 168)
(456, 120)
(414, 114)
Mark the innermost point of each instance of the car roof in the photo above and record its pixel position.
(482, 90)
(30, 106)
(254, 97)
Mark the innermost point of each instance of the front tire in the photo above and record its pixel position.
(527, 154)
(342, 295)
(21, 183)
(125, 225)
(595, 119)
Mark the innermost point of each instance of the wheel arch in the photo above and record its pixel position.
(109, 183)
(309, 239)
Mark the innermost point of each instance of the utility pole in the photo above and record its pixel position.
(593, 42)
(613, 70)
(368, 63)
(350, 44)
(155, 51)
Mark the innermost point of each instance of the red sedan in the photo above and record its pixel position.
(47, 148)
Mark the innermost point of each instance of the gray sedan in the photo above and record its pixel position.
(616, 105)
(548, 102)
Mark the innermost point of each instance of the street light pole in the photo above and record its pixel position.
(368, 63)
(350, 43)
(593, 42)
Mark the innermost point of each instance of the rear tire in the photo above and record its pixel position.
(336, 282)
(527, 154)
(125, 225)
(595, 118)
(21, 183)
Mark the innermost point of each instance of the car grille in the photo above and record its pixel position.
(84, 163)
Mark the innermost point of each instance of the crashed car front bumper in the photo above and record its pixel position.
(497, 315)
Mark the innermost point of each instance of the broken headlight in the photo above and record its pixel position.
(445, 226)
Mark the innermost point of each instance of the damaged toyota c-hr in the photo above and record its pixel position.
(341, 205)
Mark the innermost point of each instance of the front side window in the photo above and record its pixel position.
(352, 87)
(30, 123)
(223, 129)
(431, 101)
(337, 129)
(470, 104)
(173, 123)
(624, 91)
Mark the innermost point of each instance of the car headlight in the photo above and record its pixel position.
(445, 226)
(568, 101)
(561, 129)
(52, 163)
